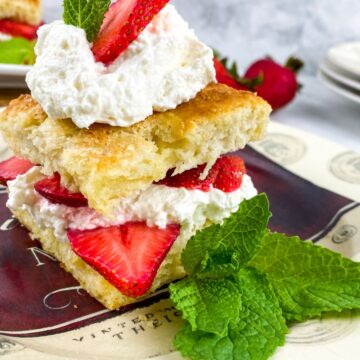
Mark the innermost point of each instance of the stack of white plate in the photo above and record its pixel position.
(13, 76)
(340, 70)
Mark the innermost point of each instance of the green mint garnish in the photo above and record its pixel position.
(209, 305)
(308, 279)
(241, 233)
(17, 51)
(86, 14)
(259, 330)
(245, 283)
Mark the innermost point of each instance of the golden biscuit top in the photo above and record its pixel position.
(109, 163)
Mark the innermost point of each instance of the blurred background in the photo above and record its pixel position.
(248, 29)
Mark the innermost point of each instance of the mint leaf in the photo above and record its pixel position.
(260, 329)
(86, 14)
(199, 345)
(241, 232)
(217, 265)
(308, 279)
(17, 51)
(277, 278)
(209, 305)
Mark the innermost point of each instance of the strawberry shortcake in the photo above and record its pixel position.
(121, 150)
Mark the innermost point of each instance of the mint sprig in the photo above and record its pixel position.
(261, 327)
(241, 233)
(17, 51)
(308, 279)
(209, 305)
(86, 14)
(259, 330)
(245, 283)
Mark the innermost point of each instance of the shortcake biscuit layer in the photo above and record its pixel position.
(50, 222)
(90, 280)
(109, 163)
(27, 11)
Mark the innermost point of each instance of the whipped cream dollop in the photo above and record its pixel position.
(165, 66)
(158, 205)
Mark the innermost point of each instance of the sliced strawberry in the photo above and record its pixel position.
(123, 23)
(51, 189)
(226, 175)
(11, 168)
(190, 179)
(231, 170)
(15, 28)
(128, 256)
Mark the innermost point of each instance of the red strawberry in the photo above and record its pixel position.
(279, 85)
(123, 23)
(11, 168)
(51, 189)
(226, 175)
(190, 179)
(223, 76)
(231, 170)
(128, 256)
(15, 28)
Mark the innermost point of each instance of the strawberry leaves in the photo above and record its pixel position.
(294, 64)
(86, 14)
(226, 71)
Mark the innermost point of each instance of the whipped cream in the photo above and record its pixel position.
(158, 205)
(4, 37)
(165, 66)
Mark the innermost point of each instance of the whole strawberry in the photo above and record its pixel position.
(275, 83)
(223, 76)
(279, 84)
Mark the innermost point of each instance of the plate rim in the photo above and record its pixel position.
(14, 70)
(345, 66)
(341, 90)
(332, 72)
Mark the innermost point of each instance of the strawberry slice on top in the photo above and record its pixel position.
(11, 168)
(51, 189)
(128, 255)
(18, 29)
(123, 23)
